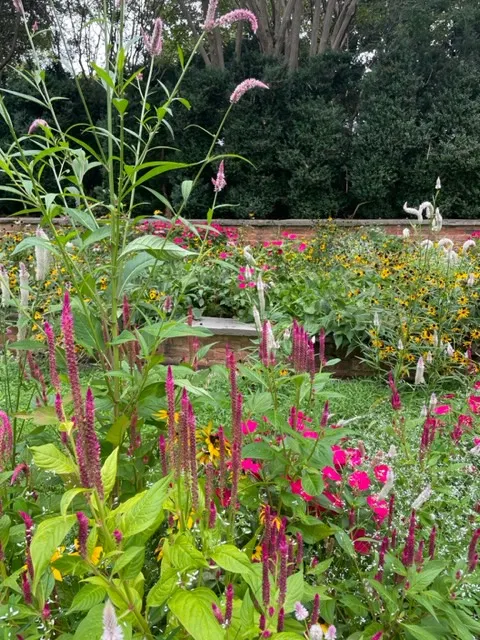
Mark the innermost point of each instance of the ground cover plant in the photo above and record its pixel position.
(240, 501)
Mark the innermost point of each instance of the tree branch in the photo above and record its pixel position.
(317, 12)
(349, 13)
(327, 25)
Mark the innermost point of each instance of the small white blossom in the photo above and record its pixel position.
(331, 633)
(422, 498)
(435, 339)
(392, 452)
(426, 244)
(424, 411)
(419, 372)
(376, 320)
(468, 244)
(316, 632)
(471, 280)
(433, 401)
(449, 350)
(445, 242)
(301, 613)
(111, 629)
(406, 233)
(400, 345)
(438, 184)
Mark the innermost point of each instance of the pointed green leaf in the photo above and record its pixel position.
(48, 536)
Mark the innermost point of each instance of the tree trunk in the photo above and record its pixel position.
(192, 27)
(327, 26)
(349, 10)
(317, 12)
(295, 36)
(217, 39)
(284, 22)
(9, 55)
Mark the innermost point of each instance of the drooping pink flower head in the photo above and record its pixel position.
(210, 15)
(154, 43)
(38, 122)
(234, 16)
(359, 480)
(219, 182)
(246, 85)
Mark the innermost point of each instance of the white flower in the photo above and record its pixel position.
(42, 257)
(271, 344)
(428, 208)
(261, 294)
(449, 350)
(221, 142)
(424, 411)
(467, 244)
(249, 274)
(4, 286)
(433, 401)
(471, 280)
(316, 632)
(437, 221)
(23, 278)
(426, 244)
(111, 629)
(256, 317)
(419, 373)
(406, 233)
(476, 450)
(392, 452)
(435, 338)
(388, 486)
(413, 212)
(422, 498)
(429, 358)
(331, 633)
(400, 345)
(248, 256)
(438, 184)
(444, 242)
(451, 256)
(301, 613)
(376, 320)
(287, 333)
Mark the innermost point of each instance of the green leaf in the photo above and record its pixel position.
(109, 472)
(27, 345)
(104, 75)
(419, 633)
(183, 555)
(164, 588)
(88, 596)
(130, 563)
(33, 241)
(228, 557)
(5, 524)
(193, 609)
(345, 542)
(144, 513)
(166, 330)
(44, 416)
(181, 58)
(294, 591)
(419, 581)
(187, 186)
(160, 248)
(67, 498)
(48, 536)
(120, 105)
(48, 457)
(82, 217)
(259, 451)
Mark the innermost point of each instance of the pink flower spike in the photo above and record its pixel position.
(20, 468)
(82, 533)
(234, 16)
(442, 409)
(219, 183)
(39, 122)
(245, 86)
(154, 43)
(359, 480)
(210, 15)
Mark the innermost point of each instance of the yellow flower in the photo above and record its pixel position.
(95, 555)
(284, 372)
(276, 520)
(157, 212)
(163, 415)
(475, 333)
(462, 301)
(257, 554)
(58, 554)
(210, 451)
(463, 313)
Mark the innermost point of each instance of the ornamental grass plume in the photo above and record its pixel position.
(219, 183)
(43, 257)
(111, 629)
(235, 16)
(6, 440)
(154, 43)
(246, 85)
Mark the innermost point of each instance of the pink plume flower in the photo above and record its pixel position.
(92, 446)
(408, 553)
(82, 533)
(111, 629)
(52, 358)
(170, 391)
(210, 15)
(26, 588)
(118, 535)
(234, 16)
(71, 357)
(6, 440)
(18, 6)
(212, 515)
(154, 43)
(219, 182)
(229, 603)
(20, 468)
(246, 85)
(377, 636)
(39, 122)
(217, 613)
(359, 480)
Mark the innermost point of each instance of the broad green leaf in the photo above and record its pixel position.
(194, 611)
(67, 498)
(82, 217)
(162, 167)
(48, 457)
(146, 510)
(33, 241)
(418, 632)
(186, 187)
(27, 345)
(48, 536)
(166, 330)
(44, 416)
(184, 555)
(164, 588)
(91, 627)
(294, 591)
(159, 247)
(259, 451)
(104, 75)
(5, 524)
(130, 563)
(109, 472)
(88, 596)
(228, 557)
(120, 105)
(420, 580)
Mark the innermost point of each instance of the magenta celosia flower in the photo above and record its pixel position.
(381, 472)
(442, 409)
(234, 16)
(474, 404)
(325, 415)
(26, 588)
(339, 456)
(228, 603)
(408, 553)
(246, 85)
(315, 610)
(52, 358)
(217, 613)
(92, 446)
(377, 636)
(472, 551)
(39, 122)
(297, 488)
(432, 543)
(46, 611)
(359, 480)
(329, 473)
(59, 408)
(28, 526)
(71, 357)
(20, 468)
(250, 465)
(379, 507)
(118, 535)
(335, 501)
(162, 447)
(212, 515)
(125, 312)
(154, 43)
(6, 440)
(219, 183)
(82, 533)
(170, 392)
